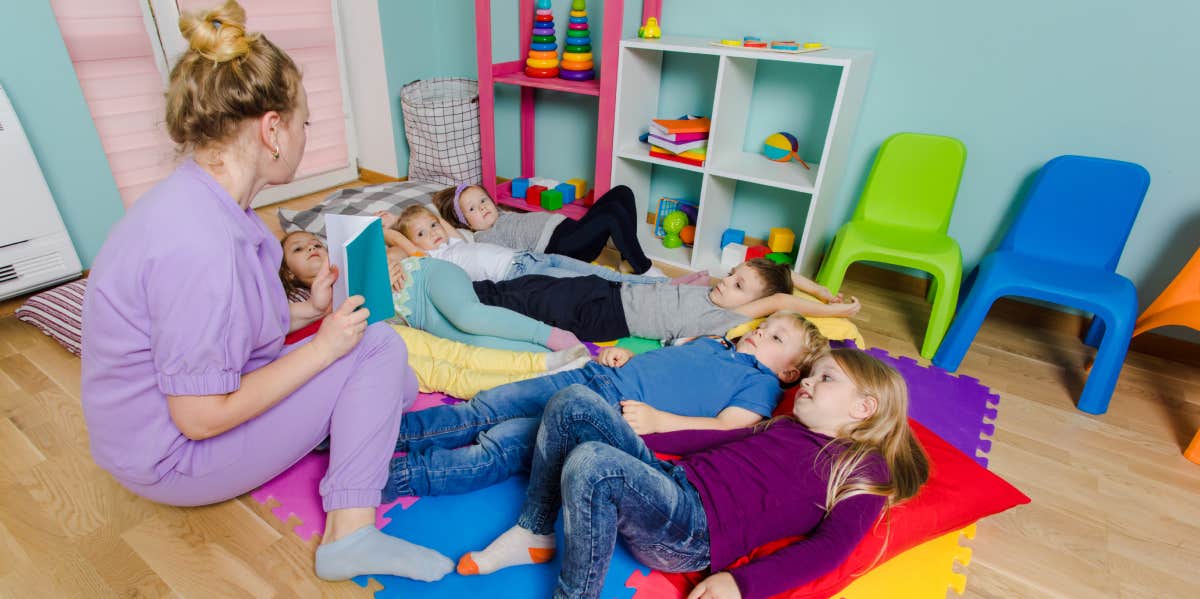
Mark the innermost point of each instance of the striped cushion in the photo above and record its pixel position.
(58, 312)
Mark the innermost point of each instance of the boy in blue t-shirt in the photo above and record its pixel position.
(706, 384)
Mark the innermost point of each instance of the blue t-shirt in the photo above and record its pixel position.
(700, 378)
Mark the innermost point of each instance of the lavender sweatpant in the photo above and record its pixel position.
(357, 401)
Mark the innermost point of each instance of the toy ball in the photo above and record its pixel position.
(688, 234)
(781, 147)
(673, 223)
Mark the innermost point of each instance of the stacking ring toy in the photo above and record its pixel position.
(576, 57)
(543, 46)
(577, 75)
(541, 63)
(572, 65)
(541, 73)
(543, 31)
(540, 54)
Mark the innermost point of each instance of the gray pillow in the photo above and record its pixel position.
(359, 201)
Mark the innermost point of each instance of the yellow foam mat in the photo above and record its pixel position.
(925, 571)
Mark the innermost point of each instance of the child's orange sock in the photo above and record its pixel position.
(516, 547)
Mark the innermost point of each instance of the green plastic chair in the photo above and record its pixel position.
(902, 218)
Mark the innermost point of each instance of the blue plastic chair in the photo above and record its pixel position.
(1063, 248)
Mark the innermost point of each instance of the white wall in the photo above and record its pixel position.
(362, 41)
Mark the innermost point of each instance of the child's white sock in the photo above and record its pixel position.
(562, 357)
(516, 547)
(369, 551)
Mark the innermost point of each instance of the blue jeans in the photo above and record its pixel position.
(471, 445)
(590, 462)
(561, 267)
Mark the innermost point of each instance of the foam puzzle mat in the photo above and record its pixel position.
(958, 408)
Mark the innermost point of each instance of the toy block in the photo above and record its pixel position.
(732, 236)
(551, 199)
(567, 190)
(732, 255)
(580, 187)
(519, 186)
(534, 194)
(781, 240)
(779, 258)
(758, 251)
(544, 182)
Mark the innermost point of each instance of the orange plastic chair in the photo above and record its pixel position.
(1178, 304)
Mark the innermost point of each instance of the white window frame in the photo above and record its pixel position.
(162, 25)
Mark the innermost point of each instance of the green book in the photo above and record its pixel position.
(357, 249)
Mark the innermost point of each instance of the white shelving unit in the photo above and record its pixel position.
(639, 80)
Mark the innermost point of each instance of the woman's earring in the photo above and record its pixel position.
(275, 153)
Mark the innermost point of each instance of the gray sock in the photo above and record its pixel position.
(369, 551)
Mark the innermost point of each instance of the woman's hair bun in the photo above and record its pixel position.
(218, 34)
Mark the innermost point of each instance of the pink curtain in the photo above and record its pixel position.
(304, 29)
(115, 63)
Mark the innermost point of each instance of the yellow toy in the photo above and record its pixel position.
(781, 239)
(650, 30)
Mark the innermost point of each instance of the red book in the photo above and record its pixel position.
(665, 155)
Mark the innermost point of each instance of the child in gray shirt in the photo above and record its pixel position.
(599, 310)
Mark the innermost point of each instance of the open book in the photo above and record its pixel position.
(357, 249)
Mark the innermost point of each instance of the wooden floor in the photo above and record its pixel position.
(1115, 512)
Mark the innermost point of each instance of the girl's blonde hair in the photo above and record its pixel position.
(886, 432)
(407, 217)
(226, 76)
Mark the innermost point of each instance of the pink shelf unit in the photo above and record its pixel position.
(512, 73)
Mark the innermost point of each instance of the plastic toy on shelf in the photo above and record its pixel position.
(783, 147)
(577, 64)
(672, 225)
(650, 30)
(543, 51)
(751, 42)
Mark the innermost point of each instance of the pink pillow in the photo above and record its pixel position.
(58, 312)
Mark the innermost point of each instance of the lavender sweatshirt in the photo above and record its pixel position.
(759, 487)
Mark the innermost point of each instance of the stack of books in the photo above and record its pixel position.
(679, 140)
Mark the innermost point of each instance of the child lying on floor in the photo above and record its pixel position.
(441, 365)
(826, 472)
(418, 230)
(706, 384)
(613, 216)
(600, 310)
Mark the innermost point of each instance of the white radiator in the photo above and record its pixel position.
(35, 250)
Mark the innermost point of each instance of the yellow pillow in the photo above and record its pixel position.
(835, 328)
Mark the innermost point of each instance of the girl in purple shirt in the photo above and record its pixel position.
(189, 396)
(826, 472)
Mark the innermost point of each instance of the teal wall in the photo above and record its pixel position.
(1019, 82)
(37, 74)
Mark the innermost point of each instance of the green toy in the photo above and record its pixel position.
(779, 258)
(673, 224)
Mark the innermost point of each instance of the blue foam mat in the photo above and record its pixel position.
(456, 524)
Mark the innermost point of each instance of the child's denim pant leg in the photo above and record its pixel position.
(610, 482)
(471, 445)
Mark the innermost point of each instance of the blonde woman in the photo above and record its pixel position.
(189, 395)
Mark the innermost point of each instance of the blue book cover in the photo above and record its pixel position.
(357, 248)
